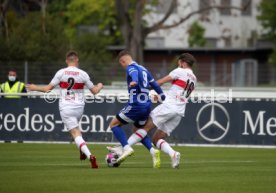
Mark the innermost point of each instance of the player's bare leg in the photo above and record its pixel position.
(81, 144)
(121, 137)
(160, 143)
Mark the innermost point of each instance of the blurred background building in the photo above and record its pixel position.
(223, 28)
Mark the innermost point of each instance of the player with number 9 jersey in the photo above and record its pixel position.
(139, 105)
(138, 93)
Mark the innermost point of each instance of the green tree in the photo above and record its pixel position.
(31, 35)
(4, 29)
(196, 35)
(29, 42)
(94, 56)
(99, 14)
(41, 36)
(268, 20)
(91, 27)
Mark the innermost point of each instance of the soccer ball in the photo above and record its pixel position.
(110, 160)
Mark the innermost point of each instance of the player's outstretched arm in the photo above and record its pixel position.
(164, 80)
(96, 89)
(158, 89)
(33, 87)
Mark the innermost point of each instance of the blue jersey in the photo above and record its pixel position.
(139, 95)
(139, 105)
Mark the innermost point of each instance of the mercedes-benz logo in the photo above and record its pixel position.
(221, 127)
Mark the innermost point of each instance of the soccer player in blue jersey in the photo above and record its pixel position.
(139, 105)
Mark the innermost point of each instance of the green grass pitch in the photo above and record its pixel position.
(55, 168)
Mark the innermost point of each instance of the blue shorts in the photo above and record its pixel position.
(138, 115)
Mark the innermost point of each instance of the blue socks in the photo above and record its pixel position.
(147, 142)
(120, 135)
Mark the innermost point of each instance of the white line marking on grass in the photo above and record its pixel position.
(130, 163)
(172, 144)
(229, 146)
(219, 161)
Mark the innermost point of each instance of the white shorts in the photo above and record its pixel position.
(71, 117)
(165, 118)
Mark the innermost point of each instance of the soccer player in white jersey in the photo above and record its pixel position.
(166, 116)
(71, 81)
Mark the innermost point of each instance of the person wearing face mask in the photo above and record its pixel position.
(13, 85)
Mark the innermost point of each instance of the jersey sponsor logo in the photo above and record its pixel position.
(218, 122)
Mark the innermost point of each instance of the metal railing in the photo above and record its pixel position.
(121, 92)
(112, 73)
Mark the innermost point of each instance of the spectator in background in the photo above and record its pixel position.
(13, 85)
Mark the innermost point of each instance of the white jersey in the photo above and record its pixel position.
(71, 81)
(183, 84)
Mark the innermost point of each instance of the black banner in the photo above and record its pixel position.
(236, 123)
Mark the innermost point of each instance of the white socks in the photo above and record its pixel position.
(152, 151)
(136, 137)
(81, 144)
(127, 147)
(165, 147)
